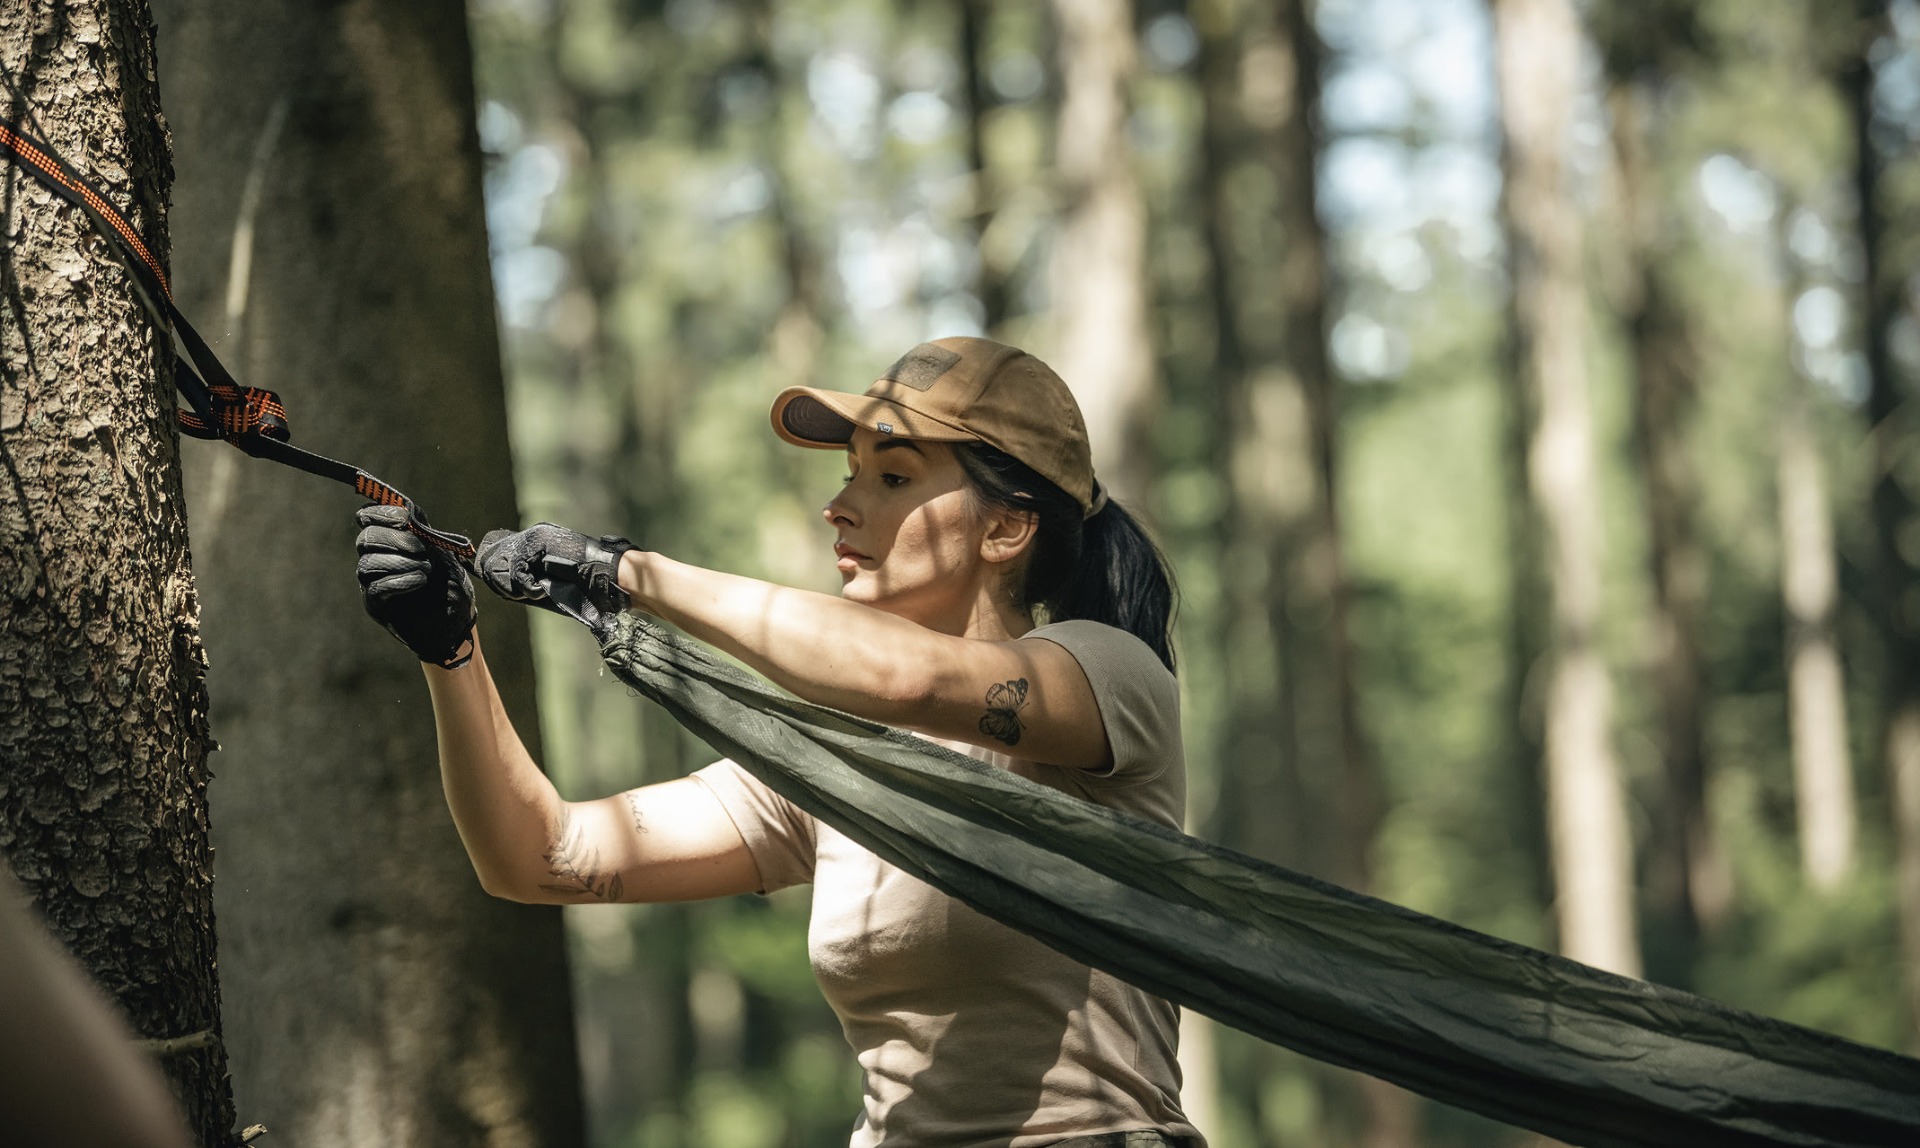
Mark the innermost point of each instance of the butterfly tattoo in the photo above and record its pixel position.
(1002, 719)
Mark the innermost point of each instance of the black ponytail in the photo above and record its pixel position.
(1101, 569)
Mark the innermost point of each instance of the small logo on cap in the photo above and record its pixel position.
(885, 428)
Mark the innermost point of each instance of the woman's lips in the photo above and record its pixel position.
(849, 558)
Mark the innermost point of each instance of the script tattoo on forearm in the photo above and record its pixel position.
(1004, 703)
(633, 807)
(575, 866)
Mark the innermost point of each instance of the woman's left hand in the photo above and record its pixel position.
(557, 569)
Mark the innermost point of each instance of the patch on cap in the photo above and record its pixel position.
(919, 367)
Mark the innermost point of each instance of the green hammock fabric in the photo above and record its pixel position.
(1511, 1032)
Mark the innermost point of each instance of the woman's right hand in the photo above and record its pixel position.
(420, 593)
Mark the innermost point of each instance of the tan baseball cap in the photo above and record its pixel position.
(958, 389)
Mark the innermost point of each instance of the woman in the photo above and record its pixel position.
(970, 505)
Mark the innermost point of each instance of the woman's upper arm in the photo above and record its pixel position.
(667, 842)
(1026, 699)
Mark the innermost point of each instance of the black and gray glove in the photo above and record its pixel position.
(418, 592)
(557, 569)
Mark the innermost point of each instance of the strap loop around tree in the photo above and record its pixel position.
(251, 418)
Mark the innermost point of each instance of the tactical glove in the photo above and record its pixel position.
(420, 593)
(557, 569)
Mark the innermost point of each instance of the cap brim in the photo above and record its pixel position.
(825, 420)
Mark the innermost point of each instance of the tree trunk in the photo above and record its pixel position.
(1297, 783)
(1102, 341)
(1894, 511)
(103, 699)
(992, 287)
(1313, 804)
(1538, 63)
(331, 193)
(650, 1073)
(1688, 878)
(1810, 594)
(1822, 767)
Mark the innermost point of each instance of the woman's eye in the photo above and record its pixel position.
(845, 479)
(894, 479)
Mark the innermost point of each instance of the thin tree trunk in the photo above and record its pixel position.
(1822, 767)
(1810, 593)
(1537, 59)
(1524, 792)
(992, 287)
(1296, 779)
(1689, 880)
(1249, 745)
(380, 995)
(1893, 509)
(1102, 345)
(103, 699)
(1280, 536)
(645, 1024)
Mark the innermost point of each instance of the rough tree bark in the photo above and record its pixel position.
(103, 700)
(1537, 50)
(330, 206)
(1894, 510)
(1102, 342)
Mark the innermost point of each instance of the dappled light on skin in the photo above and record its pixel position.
(910, 540)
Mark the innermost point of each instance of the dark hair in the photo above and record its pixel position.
(1101, 569)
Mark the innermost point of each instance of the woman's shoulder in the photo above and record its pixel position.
(1088, 640)
(1138, 696)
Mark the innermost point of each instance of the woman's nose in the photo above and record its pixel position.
(836, 510)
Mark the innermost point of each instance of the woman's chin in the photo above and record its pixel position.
(854, 588)
(861, 586)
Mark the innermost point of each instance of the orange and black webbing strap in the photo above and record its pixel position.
(250, 418)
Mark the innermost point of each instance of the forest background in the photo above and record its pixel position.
(1519, 391)
(696, 204)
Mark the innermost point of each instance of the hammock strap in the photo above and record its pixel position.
(250, 418)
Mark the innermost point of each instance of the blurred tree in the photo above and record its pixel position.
(623, 475)
(1102, 334)
(667, 185)
(1296, 783)
(1648, 51)
(1895, 512)
(1537, 55)
(103, 695)
(1298, 770)
(799, 331)
(1809, 584)
(331, 197)
(1527, 598)
(974, 16)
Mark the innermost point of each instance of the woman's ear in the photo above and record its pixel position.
(1008, 535)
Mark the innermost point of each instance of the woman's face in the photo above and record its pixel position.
(909, 537)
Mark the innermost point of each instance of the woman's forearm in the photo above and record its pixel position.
(503, 805)
(821, 648)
